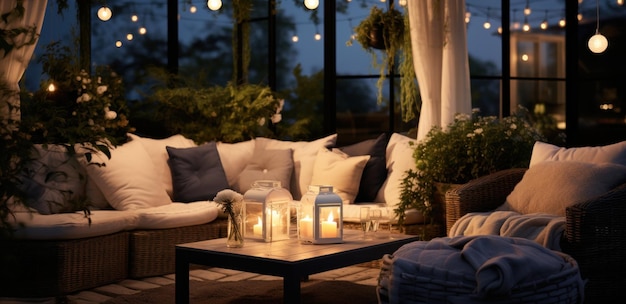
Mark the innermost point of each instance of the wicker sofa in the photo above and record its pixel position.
(594, 231)
(140, 209)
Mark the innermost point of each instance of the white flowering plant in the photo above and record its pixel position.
(73, 106)
(470, 147)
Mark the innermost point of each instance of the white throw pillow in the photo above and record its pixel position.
(399, 160)
(304, 153)
(129, 180)
(158, 155)
(234, 158)
(614, 153)
(551, 186)
(339, 170)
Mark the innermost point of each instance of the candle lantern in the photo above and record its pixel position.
(320, 216)
(267, 211)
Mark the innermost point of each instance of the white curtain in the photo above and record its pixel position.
(13, 64)
(439, 42)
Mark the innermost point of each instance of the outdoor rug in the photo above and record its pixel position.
(252, 291)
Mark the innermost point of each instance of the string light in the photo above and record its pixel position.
(295, 38)
(318, 36)
(598, 43)
(118, 44)
(487, 24)
(468, 16)
(311, 4)
(620, 2)
(51, 87)
(527, 10)
(214, 5)
(193, 9)
(104, 13)
(544, 23)
(562, 22)
(401, 2)
(129, 36)
(526, 26)
(134, 18)
(515, 22)
(143, 30)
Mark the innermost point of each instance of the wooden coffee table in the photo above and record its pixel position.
(289, 258)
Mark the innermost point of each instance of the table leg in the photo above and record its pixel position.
(291, 288)
(181, 280)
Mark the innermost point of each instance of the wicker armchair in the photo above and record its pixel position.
(595, 234)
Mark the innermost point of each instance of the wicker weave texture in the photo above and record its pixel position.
(152, 252)
(52, 268)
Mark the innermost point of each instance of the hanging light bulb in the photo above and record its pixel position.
(295, 38)
(118, 44)
(499, 30)
(104, 13)
(51, 87)
(214, 5)
(527, 10)
(468, 17)
(526, 26)
(318, 36)
(402, 2)
(487, 24)
(311, 4)
(143, 30)
(129, 36)
(134, 18)
(193, 9)
(597, 43)
(562, 22)
(544, 23)
(620, 2)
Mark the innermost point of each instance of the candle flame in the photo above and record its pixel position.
(259, 219)
(330, 217)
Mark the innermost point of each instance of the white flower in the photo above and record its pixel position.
(99, 79)
(261, 121)
(276, 118)
(461, 116)
(478, 131)
(83, 98)
(470, 135)
(513, 126)
(110, 115)
(90, 122)
(101, 89)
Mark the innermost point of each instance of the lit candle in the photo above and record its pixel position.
(258, 228)
(306, 227)
(329, 227)
(275, 218)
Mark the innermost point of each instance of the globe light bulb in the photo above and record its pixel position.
(143, 30)
(311, 4)
(193, 9)
(51, 88)
(598, 43)
(129, 36)
(487, 25)
(104, 13)
(214, 5)
(544, 25)
(318, 36)
(402, 2)
(294, 38)
(134, 18)
(118, 44)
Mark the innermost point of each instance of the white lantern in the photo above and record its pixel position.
(267, 211)
(320, 216)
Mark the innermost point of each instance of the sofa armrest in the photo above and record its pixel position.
(482, 194)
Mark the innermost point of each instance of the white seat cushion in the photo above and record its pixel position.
(177, 215)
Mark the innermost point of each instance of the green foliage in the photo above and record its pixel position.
(391, 25)
(83, 107)
(468, 148)
(228, 113)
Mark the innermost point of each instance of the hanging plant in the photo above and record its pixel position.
(385, 31)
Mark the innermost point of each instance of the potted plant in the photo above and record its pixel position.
(470, 147)
(384, 31)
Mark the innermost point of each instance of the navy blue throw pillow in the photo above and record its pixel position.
(197, 173)
(375, 172)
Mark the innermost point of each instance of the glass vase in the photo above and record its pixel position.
(234, 237)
